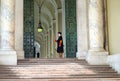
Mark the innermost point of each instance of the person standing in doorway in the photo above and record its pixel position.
(59, 41)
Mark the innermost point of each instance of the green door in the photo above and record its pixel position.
(29, 28)
(71, 28)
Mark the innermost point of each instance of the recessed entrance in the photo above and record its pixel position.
(55, 16)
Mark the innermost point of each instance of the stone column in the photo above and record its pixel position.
(44, 49)
(82, 29)
(59, 20)
(96, 55)
(19, 29)
(56, 13)
(48, 44)
(52, 40)
(7, 52)
(41, 49)
(54, 37)
(63, 27)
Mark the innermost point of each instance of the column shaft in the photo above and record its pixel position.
(96, 55)
(51, 55)
(55, 38)
(56, 13)
(52, 42)
(82, 29)
(63, 27)
(59, 20)
(19, 29)
(7, 24)
(96, 35)
(7, 41)
(46, 47)
(49, 44)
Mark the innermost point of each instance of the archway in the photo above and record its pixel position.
(37, 49)
(54, 17)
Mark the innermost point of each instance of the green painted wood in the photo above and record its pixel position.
(71, 28)
(29, 28)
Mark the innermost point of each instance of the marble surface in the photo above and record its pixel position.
(7, 24)
(82, 29)
(96, 24)
(97, 58)
(96, 54)
(19, 29)
(7, 54)
(8, 57)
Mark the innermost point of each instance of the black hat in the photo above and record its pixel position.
(59, 33)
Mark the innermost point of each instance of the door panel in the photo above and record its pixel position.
(71, 28)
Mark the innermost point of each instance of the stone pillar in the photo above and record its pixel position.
(59, 20)
(44, 53)
(82, 29)
(41, 49)
(63, 27)
(7, 48)
(19, 29)
(96, 55)
(54, 37)
(52, 40)
(48, 44)
(56, 13)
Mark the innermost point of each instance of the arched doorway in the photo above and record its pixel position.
(55, 16)
(37, 49)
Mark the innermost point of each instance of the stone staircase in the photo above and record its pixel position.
(57, 70)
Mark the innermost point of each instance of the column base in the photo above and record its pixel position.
(20, 54)
(97, 57)
(81, 55)
(8, 58)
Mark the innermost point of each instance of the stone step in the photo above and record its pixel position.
(49, 63)
(56, 76)
(71, 79)
(50, 60)
(53, 71)
(57, 69)
(58, 65)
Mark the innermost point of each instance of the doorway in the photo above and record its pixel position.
(56, 16)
